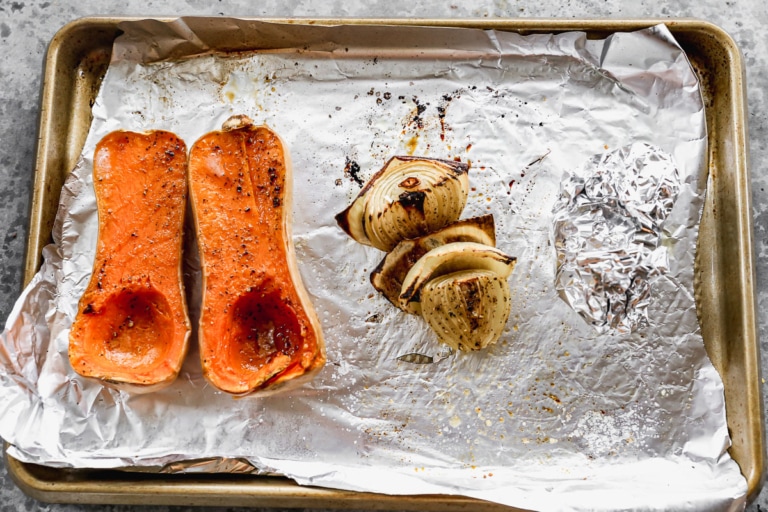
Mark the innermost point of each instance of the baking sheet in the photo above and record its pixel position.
(341, 242)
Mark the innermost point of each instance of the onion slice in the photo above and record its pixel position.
(388, 276)
(409, 197)
(447, 259)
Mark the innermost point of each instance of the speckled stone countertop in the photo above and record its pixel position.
(27, 26)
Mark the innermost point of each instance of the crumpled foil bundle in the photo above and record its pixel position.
(608, 232)
(554, 416)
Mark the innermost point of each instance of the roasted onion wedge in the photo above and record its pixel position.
(409, 197)
(468, 310)
(447, 259)
(388, 276)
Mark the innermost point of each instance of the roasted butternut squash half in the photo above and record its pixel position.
(258, 329)
(132, 328)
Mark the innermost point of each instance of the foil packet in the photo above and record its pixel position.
(608, 234)
(556, 415)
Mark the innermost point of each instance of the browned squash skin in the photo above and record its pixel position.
(258, 329)
(132, 328)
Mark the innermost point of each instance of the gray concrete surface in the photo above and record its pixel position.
(27, 26)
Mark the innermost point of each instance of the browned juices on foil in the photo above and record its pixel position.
(258, 329)
(132, 328)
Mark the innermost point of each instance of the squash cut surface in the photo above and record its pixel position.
(132, 328)
(258, 329)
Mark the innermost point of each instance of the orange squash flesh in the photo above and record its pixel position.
(132, 328)
(258, 330)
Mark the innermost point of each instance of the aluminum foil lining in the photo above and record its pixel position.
(554, 416)
(608, 226)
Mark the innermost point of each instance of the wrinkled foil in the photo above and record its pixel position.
(554, 416)
(608, 225)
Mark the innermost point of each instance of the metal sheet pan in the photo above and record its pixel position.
(76, 62)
